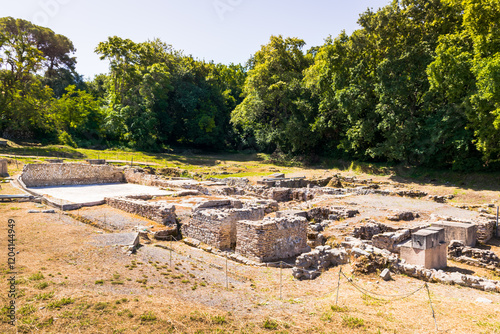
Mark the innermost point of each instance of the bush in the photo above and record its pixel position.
(65, 138)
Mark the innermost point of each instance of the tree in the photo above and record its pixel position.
(276, 107)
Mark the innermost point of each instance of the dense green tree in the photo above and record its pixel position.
(277, 108)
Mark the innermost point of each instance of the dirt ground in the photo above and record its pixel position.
(68, 283)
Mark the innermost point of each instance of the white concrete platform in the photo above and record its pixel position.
(80, 194)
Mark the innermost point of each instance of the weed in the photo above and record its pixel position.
(336, 308)
(41, 285)
(219, 319)
(99, 281)
(101, 306)
(36, 277)
(126, 312)
(270, 324)
(44, 296)
(148, 317)
(352, 322)
(58, 304)
(27, 310)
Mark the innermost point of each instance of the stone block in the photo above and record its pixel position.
(385, 274)
(430, 258)
(458, 231)
(427, 238)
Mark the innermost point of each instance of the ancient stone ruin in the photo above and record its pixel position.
(3, 167)
(42, 175)
(290, 218)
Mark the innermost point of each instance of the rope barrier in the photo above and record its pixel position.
(391, 297)
(432, 308)
(394, 297)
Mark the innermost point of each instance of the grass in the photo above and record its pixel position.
(148, 316)
(270, 324)
(352, 322)
(58, 304)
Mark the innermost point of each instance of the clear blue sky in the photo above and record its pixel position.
(225, 31)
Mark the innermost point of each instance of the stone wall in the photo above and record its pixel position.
(485, 230)
(272, 238)
(160, 212)
(3, 167)
(42, 175)
(217, 227)
(458, 251)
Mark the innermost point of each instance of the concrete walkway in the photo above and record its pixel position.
(81, 194)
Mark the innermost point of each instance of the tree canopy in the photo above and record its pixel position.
(417, 83)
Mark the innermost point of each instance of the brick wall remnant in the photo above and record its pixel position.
(160, 212)
(217, 227)
(43, 175)
(272, 238)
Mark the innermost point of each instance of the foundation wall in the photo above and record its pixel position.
(217, 228)
(159, 212)
(43, 175)
(272, 238)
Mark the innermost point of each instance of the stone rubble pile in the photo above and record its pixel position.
(457, 251)
(310, 265)
(439, 276)
(440, 199)
(319, 214)
(391, 240)
(369, 229)
(403, 215)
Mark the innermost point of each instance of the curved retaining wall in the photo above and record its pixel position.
(44, 175)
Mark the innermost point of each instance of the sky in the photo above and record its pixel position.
(225, 31)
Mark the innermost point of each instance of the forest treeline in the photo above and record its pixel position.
(418, 83)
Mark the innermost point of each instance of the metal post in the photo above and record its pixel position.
(338, 287)
(227, 286)
(132, 162)
(281, 279)
(498, 233)
(432, 308)
(170, 251)
(17, 167)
